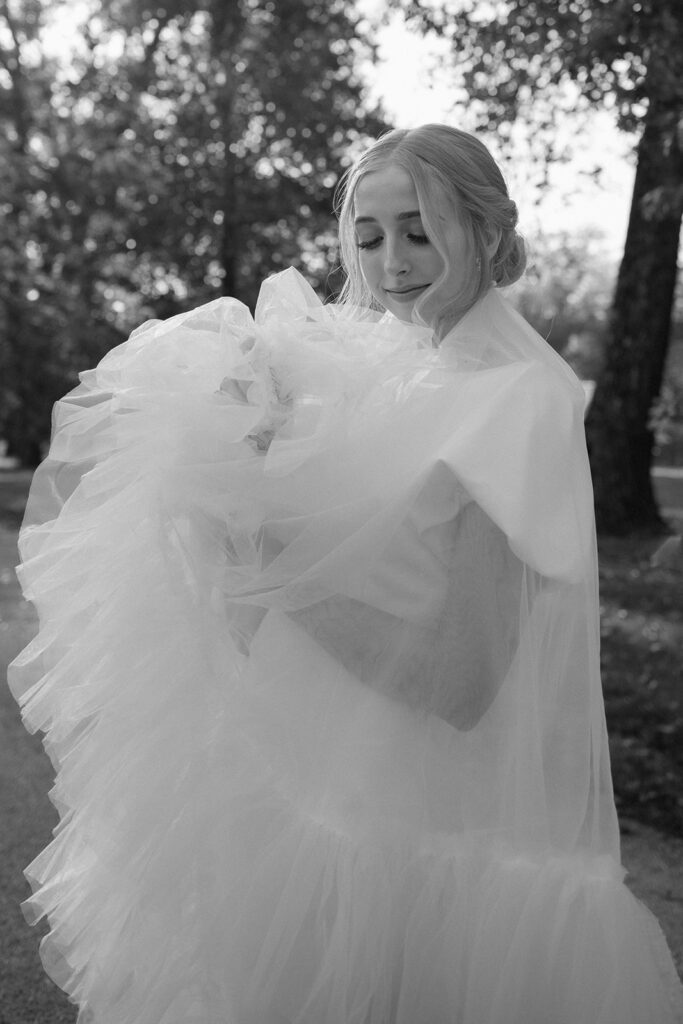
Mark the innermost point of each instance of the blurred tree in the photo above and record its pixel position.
(39, 303)
(236, 117)
(565, 294)
(516, 58)
(185, 150)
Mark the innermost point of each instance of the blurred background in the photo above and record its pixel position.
(154, 156)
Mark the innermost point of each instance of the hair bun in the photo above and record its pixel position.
(510, 259)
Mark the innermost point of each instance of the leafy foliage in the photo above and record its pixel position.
(618, 52)
(565, 294)
(186, 150)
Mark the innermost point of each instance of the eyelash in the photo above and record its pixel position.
(372, 243)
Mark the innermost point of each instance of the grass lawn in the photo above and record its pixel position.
(642, 658)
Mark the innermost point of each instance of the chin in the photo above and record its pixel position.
(402, 311)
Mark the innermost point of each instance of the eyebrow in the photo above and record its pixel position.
(408, 215)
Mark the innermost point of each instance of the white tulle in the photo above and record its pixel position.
(318, 671)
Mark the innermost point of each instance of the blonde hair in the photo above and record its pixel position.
(456, 179)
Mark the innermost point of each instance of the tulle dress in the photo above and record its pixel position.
(318, 670)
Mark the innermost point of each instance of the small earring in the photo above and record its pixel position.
(478, 262)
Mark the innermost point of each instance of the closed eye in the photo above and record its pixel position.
(370, 243)
(415, 238)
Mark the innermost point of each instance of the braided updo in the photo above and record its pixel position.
(455, 178)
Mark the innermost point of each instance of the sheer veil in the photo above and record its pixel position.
(319, 674)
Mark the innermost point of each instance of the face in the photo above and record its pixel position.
(397, 260)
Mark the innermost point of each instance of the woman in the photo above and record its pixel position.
(319, 657)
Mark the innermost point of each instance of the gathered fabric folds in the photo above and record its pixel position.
(318, 671)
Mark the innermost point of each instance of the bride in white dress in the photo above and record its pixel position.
(318, 664)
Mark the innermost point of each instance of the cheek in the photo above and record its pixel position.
(367, 262)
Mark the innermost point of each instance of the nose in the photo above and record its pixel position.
(395, 258)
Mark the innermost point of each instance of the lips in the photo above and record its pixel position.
(403, 294)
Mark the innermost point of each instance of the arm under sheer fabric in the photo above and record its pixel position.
(465, 654)
(451, 662)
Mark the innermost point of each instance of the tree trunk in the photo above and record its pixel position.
(619, 439)
(230, 234)
(228, 26)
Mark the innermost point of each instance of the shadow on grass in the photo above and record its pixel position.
(642, 641)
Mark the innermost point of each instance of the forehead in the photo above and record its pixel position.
(387, 191)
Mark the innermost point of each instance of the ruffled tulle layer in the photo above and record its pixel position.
(255, 830)
(225, 870)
